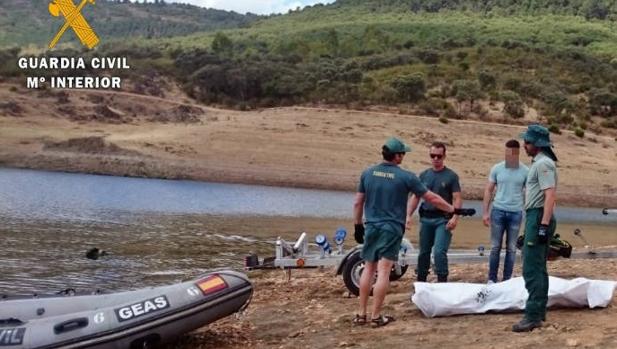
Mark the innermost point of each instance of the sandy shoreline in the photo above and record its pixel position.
(126, 134)
(312, 310)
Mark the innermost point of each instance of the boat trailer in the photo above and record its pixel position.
(300, 255)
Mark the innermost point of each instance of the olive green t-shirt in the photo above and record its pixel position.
(386, 187)
(542, 175)
(443, 183)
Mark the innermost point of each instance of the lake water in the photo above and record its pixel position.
(158, 231)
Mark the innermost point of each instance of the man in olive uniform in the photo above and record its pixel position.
(382, 198)
(539, 225)
(436, 225)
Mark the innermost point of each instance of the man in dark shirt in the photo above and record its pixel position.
(382, 198)
(436, 225)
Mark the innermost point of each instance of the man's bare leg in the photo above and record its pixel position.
(366, 280)
(381, 286)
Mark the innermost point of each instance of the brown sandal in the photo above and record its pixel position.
(382, 321)
(359, 320)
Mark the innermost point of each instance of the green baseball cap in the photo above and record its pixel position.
(395, 145)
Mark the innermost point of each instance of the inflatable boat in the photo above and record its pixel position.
(132, 319)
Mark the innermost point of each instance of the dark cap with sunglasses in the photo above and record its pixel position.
(395, 145)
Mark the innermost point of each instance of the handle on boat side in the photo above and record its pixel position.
(70, 325)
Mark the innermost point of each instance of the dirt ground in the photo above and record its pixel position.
(312, 310)
(127, 134)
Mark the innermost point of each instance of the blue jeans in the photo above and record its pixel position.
(510, 223)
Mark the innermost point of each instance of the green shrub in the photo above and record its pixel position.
(556, 101)
(450, 112)
(553, 128)
(602, 102)
(513, 104)
(433, 106)
(579, 132)
(583, 125)
(443, 119)
(513, 83)
(429, 56)
(410, 88)
(487, 80)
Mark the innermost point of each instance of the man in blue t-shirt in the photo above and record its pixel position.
(382, 198)
(508, 177)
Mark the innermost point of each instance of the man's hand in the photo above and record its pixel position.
(359, 233)
(451, 225)
(543, 234)
(486, 219)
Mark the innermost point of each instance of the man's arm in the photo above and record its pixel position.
(457, 202)
(550, 196)
(438, 202)
(486, 202)
(412, 204)
(358, 208)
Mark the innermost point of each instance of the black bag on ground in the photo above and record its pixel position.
(557, 247)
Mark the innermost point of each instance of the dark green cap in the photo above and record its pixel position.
(395, 145)
(539, 136)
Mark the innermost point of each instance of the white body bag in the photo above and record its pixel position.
(443, 299)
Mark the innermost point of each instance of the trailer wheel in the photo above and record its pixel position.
(351, 273)
(353, 268)
(395, 276)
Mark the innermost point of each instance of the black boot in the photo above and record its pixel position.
(442, 278)
(526, 325)
(421, 278)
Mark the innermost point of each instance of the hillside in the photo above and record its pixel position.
(535, 61)
(112, 19)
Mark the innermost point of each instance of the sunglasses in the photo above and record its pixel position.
(436, 156)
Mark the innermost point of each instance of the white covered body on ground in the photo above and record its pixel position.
(443, 299)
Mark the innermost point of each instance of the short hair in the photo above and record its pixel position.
(513, 143)
(439, 145)
(387, 154)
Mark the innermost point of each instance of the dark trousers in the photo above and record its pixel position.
(534, 265)
(433, 237)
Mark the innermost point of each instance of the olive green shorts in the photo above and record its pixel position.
(381, 243)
